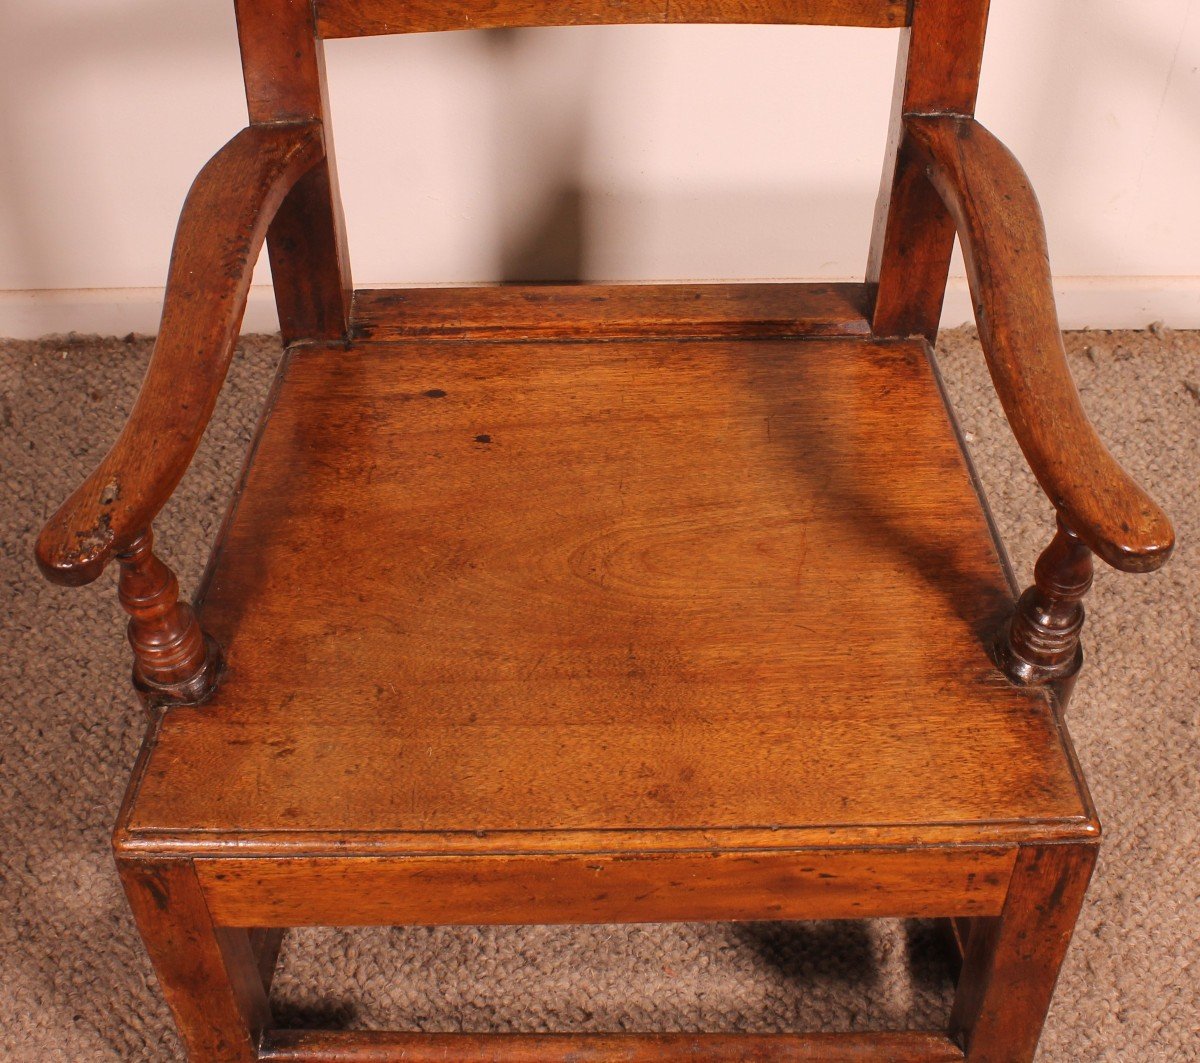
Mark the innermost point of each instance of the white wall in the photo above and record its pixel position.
(616, 152)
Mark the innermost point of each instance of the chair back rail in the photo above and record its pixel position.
(360, 18)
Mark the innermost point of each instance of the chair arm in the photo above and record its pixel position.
(1004, 243)
(221, 231)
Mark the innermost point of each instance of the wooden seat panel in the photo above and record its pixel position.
(631, 586)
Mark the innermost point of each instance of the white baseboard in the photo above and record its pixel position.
(1083, 302)
(1103, 302)
(27, 315)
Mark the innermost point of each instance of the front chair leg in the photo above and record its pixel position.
(1012, 961)
(210, 975)
(1040, 643)
(174, 662)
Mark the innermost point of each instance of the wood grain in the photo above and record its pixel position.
(888, 14)
(606, 887)
(282, 61)
(303, 1046)
(1008, 266)
(613, 311)
(656, 567)
(627, 603)
(358, 18)
(220, 233)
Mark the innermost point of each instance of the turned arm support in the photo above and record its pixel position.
(221, 231)
(1004, 243)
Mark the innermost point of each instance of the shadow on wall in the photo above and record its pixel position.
(547, 218)
(554, 224)
(541, 207)
(552, 229)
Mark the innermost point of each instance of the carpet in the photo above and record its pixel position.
(76, 985)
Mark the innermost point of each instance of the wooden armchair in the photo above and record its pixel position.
(606, 603)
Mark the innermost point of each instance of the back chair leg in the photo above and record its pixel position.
(210, 975)
(1012, 961)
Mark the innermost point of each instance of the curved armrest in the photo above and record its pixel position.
(1004, 243)
(220, 234)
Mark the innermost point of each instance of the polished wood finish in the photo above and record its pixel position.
(358, 18)
(221, 231)
(613, 311)
(606, 887)
(305, 1046)
(1004, 244)
(713, 522)
(174, 661)
(574, 603)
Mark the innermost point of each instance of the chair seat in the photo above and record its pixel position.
(706, 591)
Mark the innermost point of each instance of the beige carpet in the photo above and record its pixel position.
(74, 984)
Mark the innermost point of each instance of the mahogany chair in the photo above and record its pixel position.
(606, 603)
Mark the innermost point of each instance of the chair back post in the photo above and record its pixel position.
(283, 64)
(938, 73)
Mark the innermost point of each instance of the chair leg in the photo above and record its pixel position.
(1012, 961)
(208, 974)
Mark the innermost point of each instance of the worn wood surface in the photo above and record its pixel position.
(613, 311)
(1008, 266)
(208, 974)
(606, 887)
(308, 1046)
(723, 585)
(1012, 963)
(221, 231)
(357, 18)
